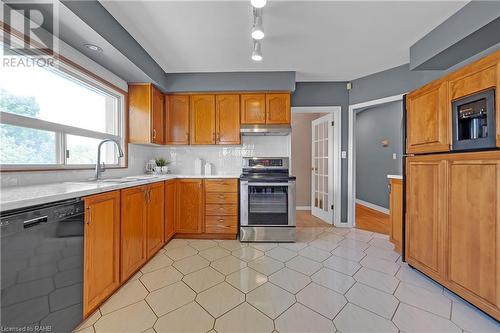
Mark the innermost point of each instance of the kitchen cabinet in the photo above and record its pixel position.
(221, 207)
(428, 112)
(133, 230)
(155, 217)
(396, 213)
(142, 225)
(253, 109)
(228, 119)
(102, 249)
(189, 207)
(202, 110)
(146, 114)
(453, 223)
(177, 120)
(278, 108)
(426, 214)
(473, 231)
(170, 199)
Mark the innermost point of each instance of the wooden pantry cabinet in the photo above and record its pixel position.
(101, 250)
(453, 223)
(146, 114)
(142, 226)
(176, 119)
(270, 108)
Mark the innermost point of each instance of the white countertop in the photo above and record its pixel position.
(24, 196)
(394, 176)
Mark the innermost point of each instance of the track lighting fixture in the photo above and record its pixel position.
(258, 3)
(257, 52)
(257, 29)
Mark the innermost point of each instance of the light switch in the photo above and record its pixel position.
(343, 154)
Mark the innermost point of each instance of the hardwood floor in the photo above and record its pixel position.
(372, 220)
(306, 220)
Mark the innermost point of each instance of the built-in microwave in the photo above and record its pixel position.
(474, 121)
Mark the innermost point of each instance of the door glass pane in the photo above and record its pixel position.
(316, 132)
(325, 206)
(82, 150)
(21, 145)
(267, 205)
(325, 166)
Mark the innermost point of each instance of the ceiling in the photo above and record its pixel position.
(320, 40)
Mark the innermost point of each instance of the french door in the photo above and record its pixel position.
(322, 168)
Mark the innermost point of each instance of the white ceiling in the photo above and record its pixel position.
(320, 40)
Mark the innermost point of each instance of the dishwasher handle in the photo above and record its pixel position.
(33, 222)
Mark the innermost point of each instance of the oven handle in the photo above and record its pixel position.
(271, 184)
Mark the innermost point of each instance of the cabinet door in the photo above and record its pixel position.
(253, 109)
(428, 112)
(102, 249)
(133, 230)
(396, 217)
(189, 208)
(228, 119)
(157, 116)
(202, 108)
(177, 120)
(155, 219)
(278, 108)
(473, 232)
(139, 104)
(170, 191)
(426, 214)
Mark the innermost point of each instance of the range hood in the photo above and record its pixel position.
(265, 129)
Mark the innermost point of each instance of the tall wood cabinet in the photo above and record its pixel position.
(102, 249)
(453, 223)
(189, 207)
(177, 119)
(146, 114)
(142, 225)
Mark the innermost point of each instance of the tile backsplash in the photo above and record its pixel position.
(225, 159)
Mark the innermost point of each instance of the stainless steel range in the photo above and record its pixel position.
(267, 200)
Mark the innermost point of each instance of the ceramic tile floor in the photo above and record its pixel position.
(330, 280)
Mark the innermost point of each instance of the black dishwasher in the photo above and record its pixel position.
(42, 267)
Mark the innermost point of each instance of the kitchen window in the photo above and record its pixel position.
(55, 116)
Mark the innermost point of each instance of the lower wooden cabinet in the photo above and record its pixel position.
(170, 199)
(133, 230)
(396, 213)
(155, 217)
(102, 249)
(453, 223)
(189, 206)
(221, 207)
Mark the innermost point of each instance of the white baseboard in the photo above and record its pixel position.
(303, 208)
(373, 206)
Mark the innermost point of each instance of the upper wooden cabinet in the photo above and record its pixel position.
(278, 108)
(228, 119)
(202, 110)
(428, 112)
(271, 108)
(189, 206)
(146, 114)
(102, 249)
(177, 120)
(253, 108)
(426, 214)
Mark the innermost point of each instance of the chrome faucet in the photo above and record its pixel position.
(101, 168)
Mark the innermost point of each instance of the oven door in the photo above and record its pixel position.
(267, 204)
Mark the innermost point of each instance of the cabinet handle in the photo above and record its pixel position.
(221, 196)
(221, 220)
(89, 215)
(221, 208)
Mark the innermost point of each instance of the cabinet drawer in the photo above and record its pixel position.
(221, 185)
(221, 224)
(213, 209)
(221, 198)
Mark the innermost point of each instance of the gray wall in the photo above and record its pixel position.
(230, 81)
(374, 161)
(327, 94)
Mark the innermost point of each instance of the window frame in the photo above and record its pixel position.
(72, 71)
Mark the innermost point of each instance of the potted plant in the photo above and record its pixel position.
(162, 164)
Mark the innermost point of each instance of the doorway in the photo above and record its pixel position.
(315, 161)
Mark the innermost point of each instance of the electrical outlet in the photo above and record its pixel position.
(394, 156)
